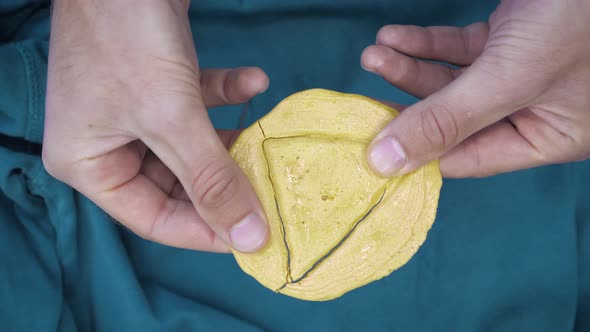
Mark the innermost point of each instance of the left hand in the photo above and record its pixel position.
(126, 124)
(520, 97)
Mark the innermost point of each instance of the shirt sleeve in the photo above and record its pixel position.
(22, 88)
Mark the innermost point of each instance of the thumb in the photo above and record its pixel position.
(185, 140)
(433, 126)
(221, 194)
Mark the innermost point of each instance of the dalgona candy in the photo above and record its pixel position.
(334, 224)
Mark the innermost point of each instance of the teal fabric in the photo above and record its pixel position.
(507, 253)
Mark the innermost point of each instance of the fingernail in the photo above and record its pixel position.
(367, 68)
(371, 63)
(248, 234)
(387, 156)
(264, 88)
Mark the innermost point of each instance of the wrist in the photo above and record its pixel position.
(98, 12)
(106, 6)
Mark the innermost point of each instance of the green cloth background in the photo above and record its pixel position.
(507, 253)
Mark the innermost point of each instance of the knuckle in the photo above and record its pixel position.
(229, 93)
(407, 70)
(439, 127)
(473, 154)
(215, 185)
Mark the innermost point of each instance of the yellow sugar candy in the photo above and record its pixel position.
(334, 224)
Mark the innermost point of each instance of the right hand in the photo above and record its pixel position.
(518, 100)
(126, 124)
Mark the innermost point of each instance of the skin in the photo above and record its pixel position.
(126, 122)
(519, 98)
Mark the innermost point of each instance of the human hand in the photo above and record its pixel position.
(520, 97)
(126, 124)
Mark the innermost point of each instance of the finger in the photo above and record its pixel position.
(395, 106)
(220, 192)
(429, 128)
(152, 214)
(158, 173)
(496, 149)
(232, 86)
(459, 46)
(141, 205)
(416, 77)
(228, 137)
(155, 170)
